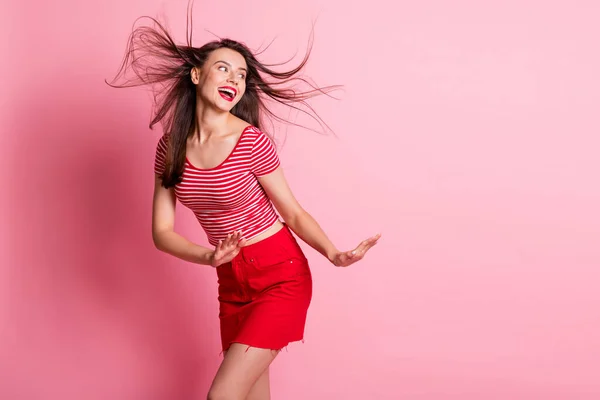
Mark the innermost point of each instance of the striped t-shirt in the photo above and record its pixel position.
(228, 197)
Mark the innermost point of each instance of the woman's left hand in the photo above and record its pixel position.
(346, 258)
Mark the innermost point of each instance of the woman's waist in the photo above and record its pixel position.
(277, 239)
(253, 227)
(275, 228)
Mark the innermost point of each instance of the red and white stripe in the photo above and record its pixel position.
(229, 197)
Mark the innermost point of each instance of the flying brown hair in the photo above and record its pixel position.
(156, 60)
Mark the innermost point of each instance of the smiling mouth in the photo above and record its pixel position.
(228, 93)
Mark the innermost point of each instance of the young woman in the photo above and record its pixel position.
(214, 158)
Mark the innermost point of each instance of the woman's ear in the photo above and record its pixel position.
(195, 75)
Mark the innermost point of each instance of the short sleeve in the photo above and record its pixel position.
(161, 155)
(264, 159)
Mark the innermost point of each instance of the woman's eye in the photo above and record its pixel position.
(222, 68)
(242, 76)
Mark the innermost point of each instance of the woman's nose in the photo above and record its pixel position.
(233, 77)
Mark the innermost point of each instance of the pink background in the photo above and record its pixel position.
(468, 135)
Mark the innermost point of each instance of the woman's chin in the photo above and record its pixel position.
(226, 109)
(221, 108)
(223, 105)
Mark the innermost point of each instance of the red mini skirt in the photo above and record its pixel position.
(264, 293)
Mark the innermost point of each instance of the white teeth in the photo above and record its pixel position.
(228, 91)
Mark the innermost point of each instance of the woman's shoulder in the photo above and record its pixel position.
(257, 137)
(245, 127)
(164, 138)
(252, 134)
(162, 142)
(253, 130)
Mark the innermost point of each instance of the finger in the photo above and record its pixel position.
(372, 239)
(364, 252)
(230, 239)
(234, 246)
(224, 241)
(236, 238)
(356, 255)
(366, 244)
(368, 247)
(360, 247)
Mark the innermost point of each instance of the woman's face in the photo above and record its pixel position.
(221, 82)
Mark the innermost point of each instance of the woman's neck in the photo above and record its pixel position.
(210, 122)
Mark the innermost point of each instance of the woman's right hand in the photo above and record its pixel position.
(227, 249)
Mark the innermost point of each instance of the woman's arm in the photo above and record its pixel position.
(304, 225)
(167, 240)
